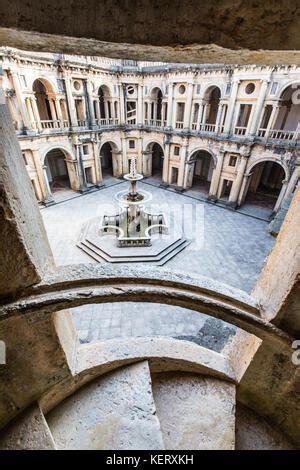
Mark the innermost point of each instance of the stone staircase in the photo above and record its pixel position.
(103, 249)
(130, 408)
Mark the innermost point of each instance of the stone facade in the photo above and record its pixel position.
(229, 130)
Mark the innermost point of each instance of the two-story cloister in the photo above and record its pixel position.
(229, 132)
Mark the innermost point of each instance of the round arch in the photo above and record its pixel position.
(59, 170)
(203, 149)
(67, 151)
(47, 83)
(153, 158)
(284, 87)
(265, 185)
(199, 171)
(210, 87)
(110, 158)
(45, 103)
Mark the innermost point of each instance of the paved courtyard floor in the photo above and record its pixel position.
(226, 245)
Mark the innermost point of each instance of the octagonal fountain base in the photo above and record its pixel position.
(105, 248)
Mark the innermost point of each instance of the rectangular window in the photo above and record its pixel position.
(232, 160)
(244, 115)
(176, 150)
(198, 89)
(131, 144)
(85, 149)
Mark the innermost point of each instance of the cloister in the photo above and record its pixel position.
(198, 352)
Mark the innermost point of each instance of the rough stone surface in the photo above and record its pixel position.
(35, 361)
(254, 433)
(278, 286)
(116, 412)
(24, 249)
(169, 30)
(29, 431)
(195, 412)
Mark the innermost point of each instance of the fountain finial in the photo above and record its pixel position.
(132, 167)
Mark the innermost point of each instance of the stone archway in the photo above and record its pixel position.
(153, 160)
(265, 187)
(200, 171)
(111, 162)
(58, 173)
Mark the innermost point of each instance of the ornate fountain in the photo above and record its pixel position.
(132, 234)
(133, 225)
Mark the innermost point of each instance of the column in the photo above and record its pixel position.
(52, 108)
(205, 112)
(218, 118)
(59, 113)
(165, 172)
(89, 93)
(98, 169)
(36, 114)
(181, 170)
(44, 185)
(83, 185)
(21, 103)
(122, 104)
(140, 105)
(170, 105)
(272, 119)
(188, 107)
(201, 105)
(258, 108)
(98, 111)
(231, 106)
(70, 102)
(30, 112)
(236, 187)
(215, 181)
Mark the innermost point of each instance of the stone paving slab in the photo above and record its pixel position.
(226, 245)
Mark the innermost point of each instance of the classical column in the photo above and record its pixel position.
(231, 106)
(98, 169)
(205, 112)
(236, 187)
(98, 111)
(89, 93)
(36, 114)
(52, 108)
(83, 184)
(201, 106)
(182, 165)
(165, 172)
(170, 105)
(30, 112)
(70, 102)
(122, 104)
(40, 175)
(258, 108)
(49, 197)
(272, 119)
(58, 112)
(140, 105)
(218, 118)
(21, 102)
(188, 107)
(215, 181)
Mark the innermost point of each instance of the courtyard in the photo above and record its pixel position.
(226, 245)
